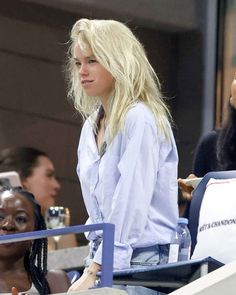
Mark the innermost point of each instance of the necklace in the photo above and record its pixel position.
(103, 149)
(104, 144)
(105, 122)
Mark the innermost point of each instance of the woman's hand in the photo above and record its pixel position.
(14, 291)
(87, 280)
(186, 189)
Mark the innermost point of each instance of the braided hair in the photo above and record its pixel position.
(35, 260)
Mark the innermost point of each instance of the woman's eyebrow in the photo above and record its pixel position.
(22, 210)
(86, 57)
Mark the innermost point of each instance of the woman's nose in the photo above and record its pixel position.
(8, 224)
(83, 70)
(57, 185)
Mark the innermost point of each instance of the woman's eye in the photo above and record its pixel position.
(50, 175)
(21, 219)
(92, 61)
(78, 64)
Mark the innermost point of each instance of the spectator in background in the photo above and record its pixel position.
(127, 157)
(216, 151)
(23, 265)
(37, 174)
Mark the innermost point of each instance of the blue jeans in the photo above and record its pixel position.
(153, 255)
(148, 256)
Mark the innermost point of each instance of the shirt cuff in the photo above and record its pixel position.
(122, 255)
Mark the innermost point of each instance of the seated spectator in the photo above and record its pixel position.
(216, 150)
(37, 174)
(23, 265)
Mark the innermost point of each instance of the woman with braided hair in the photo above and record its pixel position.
(23, 265)
(38, 176)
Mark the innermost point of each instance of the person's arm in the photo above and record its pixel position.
(87, 280)
(14, 291)
(186, 189)
(58, 281)
(204, 161)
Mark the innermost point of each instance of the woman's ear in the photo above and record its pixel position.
(25, 184)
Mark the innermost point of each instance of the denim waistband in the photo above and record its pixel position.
(145, 256)
(152, 255)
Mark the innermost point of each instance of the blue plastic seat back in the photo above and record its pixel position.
(196, 202)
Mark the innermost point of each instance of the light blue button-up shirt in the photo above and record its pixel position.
(133, 185)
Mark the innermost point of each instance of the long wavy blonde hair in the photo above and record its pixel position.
(117, 49)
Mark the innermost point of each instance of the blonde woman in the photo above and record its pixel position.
(127, 157)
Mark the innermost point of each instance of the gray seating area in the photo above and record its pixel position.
(99, 291)
(167, 277)
(220, 281)
(68, 259)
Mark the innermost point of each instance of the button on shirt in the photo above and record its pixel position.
(133, 185)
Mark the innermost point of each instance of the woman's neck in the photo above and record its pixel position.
(20, 277)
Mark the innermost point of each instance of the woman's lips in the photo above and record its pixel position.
(86, 82)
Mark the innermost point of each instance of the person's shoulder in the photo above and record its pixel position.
(211, 136)
(207, 143)
(140, 112)
(89, 123)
